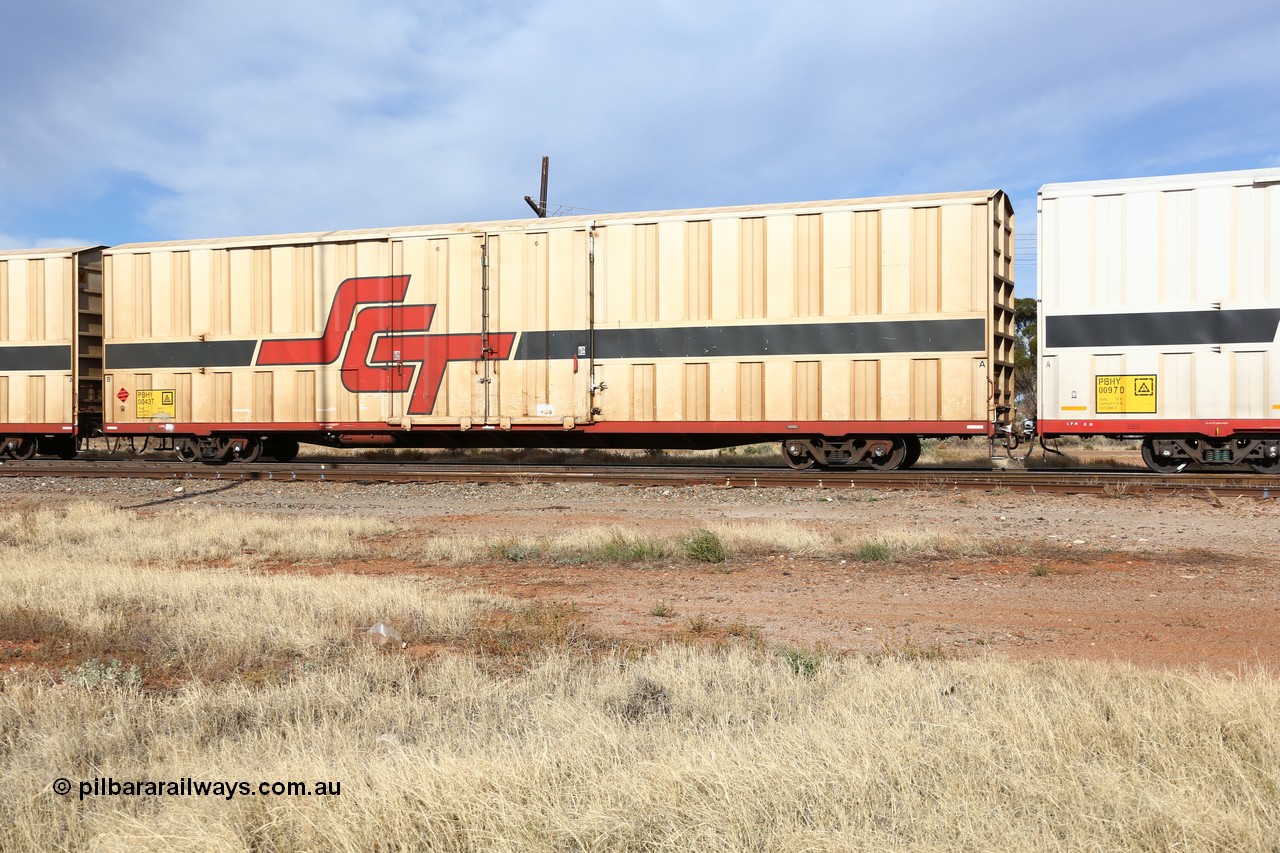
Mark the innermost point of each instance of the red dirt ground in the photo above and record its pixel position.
(1112, 607)
(1159, 581)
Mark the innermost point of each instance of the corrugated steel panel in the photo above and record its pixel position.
(1174, 278)
(815, 272)
(893, 309)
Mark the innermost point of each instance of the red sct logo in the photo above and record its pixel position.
(384, 346)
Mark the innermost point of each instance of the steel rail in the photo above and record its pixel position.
(1087, 481)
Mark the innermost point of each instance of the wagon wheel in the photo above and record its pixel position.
(186, 450)
(893, 460)
(1161, 464)
(24, 449)
(1265, 466)
(797, 455)
(251, 451)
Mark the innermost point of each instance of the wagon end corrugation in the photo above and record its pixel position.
(50, 348)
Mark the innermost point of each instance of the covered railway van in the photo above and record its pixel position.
(845, 329)
(50, 349)
(1159, 313)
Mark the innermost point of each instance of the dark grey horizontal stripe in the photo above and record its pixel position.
(180, 354)
(883, 336)
(1162, 328)
(40, 358)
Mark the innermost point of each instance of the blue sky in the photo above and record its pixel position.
(138, 120)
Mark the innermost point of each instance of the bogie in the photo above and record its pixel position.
(882, 453)
(1173, 455)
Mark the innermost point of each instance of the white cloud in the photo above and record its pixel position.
(269, 117)
(14, 241)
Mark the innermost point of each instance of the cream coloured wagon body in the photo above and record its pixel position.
(1159, 312)
(700, 328)
(50, 348)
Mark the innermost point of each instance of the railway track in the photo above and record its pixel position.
(1077, 481)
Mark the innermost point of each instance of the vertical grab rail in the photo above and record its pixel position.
(591, 320)
(484, 320)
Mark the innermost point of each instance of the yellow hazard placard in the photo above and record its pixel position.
(157, 403)
(1126, 395)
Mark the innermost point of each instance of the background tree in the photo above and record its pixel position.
(1025, 348)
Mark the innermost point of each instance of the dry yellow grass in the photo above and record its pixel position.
(96, 583)
(681, 750)
(612, 544)
(677, 749)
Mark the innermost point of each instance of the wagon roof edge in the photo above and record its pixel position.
(558, 222)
